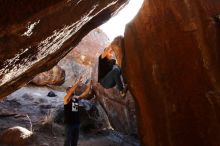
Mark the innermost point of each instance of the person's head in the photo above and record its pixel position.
(118, 46)
(109, 52)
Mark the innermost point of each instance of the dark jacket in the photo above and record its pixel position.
(105, 66)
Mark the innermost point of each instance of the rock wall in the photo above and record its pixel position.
(172, 67)
(35, 35)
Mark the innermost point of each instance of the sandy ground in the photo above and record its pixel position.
(103, 138)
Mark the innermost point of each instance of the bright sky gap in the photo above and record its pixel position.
(116, 25)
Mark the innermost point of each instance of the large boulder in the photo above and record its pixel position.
(35, 34)
(55, 76)
(172, 56)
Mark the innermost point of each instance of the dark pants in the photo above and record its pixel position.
(113, 78)
(71, 134)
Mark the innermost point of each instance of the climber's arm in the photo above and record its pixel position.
(71, 91)
(86, 92)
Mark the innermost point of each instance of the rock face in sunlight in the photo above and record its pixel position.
(35, 35)
(55, 76)
(172, 67)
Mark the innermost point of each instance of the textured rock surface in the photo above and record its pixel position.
(118, 47)
(172, 67)
(55, 76)
(35, 35)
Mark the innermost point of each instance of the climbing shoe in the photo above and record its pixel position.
(124, 91)
(122, 94)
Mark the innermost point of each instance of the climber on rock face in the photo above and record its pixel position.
(71, 113)
(109, 73)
